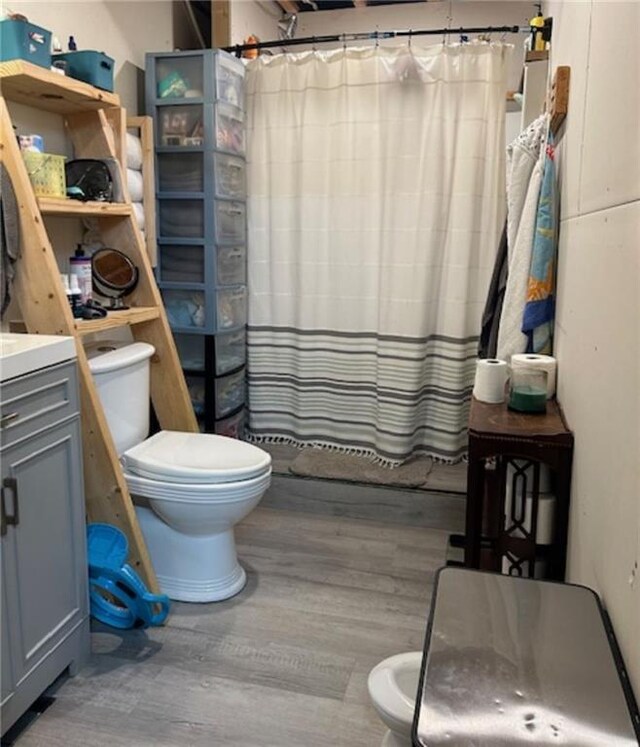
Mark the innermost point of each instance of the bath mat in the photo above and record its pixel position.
(336, 466)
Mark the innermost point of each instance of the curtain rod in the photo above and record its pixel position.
(376, 35)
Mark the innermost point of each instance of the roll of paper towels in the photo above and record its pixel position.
(541, 362)
(134, 152)
(136, 187)
(138, 211)
(545, 520)
(491, 377)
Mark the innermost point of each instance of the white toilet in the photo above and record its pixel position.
(393, 685)
(196, 486)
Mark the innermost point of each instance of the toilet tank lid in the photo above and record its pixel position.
(110, 355)
(196, 458)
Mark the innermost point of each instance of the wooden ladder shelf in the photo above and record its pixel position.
(89, 116)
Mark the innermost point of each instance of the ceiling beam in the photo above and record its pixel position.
(289, 6)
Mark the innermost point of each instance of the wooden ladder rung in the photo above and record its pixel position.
(117, 319)
(75, 208)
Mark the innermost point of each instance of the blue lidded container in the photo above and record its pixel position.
(90, 66)
(21, 40)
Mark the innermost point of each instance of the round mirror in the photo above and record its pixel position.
(114, 275)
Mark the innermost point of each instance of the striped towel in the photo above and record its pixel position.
(539, 311)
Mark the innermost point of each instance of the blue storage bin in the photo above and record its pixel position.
(92, 67)
(20, 40)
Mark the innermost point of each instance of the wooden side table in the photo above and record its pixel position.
(522, 442)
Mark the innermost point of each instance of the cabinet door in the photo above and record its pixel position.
(45, 555)
(7, 683)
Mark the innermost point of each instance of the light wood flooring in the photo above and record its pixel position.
(283, 664)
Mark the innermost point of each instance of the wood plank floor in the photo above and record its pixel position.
(283, 664)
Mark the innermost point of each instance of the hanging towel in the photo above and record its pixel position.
(9, 237)
(525, 162)
(488, 344)
(537, 321)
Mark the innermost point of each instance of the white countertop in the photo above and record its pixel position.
(21, 354)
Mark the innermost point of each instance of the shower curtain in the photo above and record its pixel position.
(376, 199)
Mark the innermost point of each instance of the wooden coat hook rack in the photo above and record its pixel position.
(558, 98)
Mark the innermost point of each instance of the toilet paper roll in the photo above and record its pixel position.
(134, 152)
(138, 211)
(546, 513)
(542, 362)
(135, 184)
(544, 485)
(491, 377)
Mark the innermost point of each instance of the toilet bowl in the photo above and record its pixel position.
(189, 489)
(393, 684)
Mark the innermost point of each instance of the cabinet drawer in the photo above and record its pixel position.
(233, 427)
(38, 400)
(231, 308)
(230, 222)
(231, 351)
(230, 393)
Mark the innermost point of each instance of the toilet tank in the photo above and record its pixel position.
(121, 374)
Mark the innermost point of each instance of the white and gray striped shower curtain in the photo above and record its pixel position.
(376, 198)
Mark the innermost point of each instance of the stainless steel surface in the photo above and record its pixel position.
(515, 661)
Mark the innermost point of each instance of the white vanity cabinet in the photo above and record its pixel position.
(45, 619)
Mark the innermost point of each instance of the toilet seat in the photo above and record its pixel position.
(388, 685)
(184, 459)
(227, 492)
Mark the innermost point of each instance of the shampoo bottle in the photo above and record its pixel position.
(80, 266)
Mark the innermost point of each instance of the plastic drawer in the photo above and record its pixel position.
(230, 222)
(190, 351)
(231, 265)
(179, 77)
(181, 264)
(180, 172)
(232, 427)
(231, 307)
(230, 393)
(229, 80)
(195, 385)
(181, 218)
(229, 128)
(230, 176)
(231, 351)
(181, 126)
(185, 308)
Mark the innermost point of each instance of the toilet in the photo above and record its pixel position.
(189, 489)
(393, 684)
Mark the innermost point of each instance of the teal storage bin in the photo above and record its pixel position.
(20, 40)
(92, 67)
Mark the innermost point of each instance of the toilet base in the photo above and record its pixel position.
(192, 568)
(395, 740)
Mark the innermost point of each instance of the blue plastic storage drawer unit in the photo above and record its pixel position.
(90, 66)
(20, 40)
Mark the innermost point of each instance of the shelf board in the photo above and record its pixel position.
(116, 319)
(58, 206)
(36, 86)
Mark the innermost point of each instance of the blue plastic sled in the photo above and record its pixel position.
(110, 574)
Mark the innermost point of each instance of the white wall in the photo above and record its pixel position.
(424, 16)
(598, 316)
(251, 17)
(123, 30)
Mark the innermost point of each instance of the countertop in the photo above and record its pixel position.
(20, 354)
